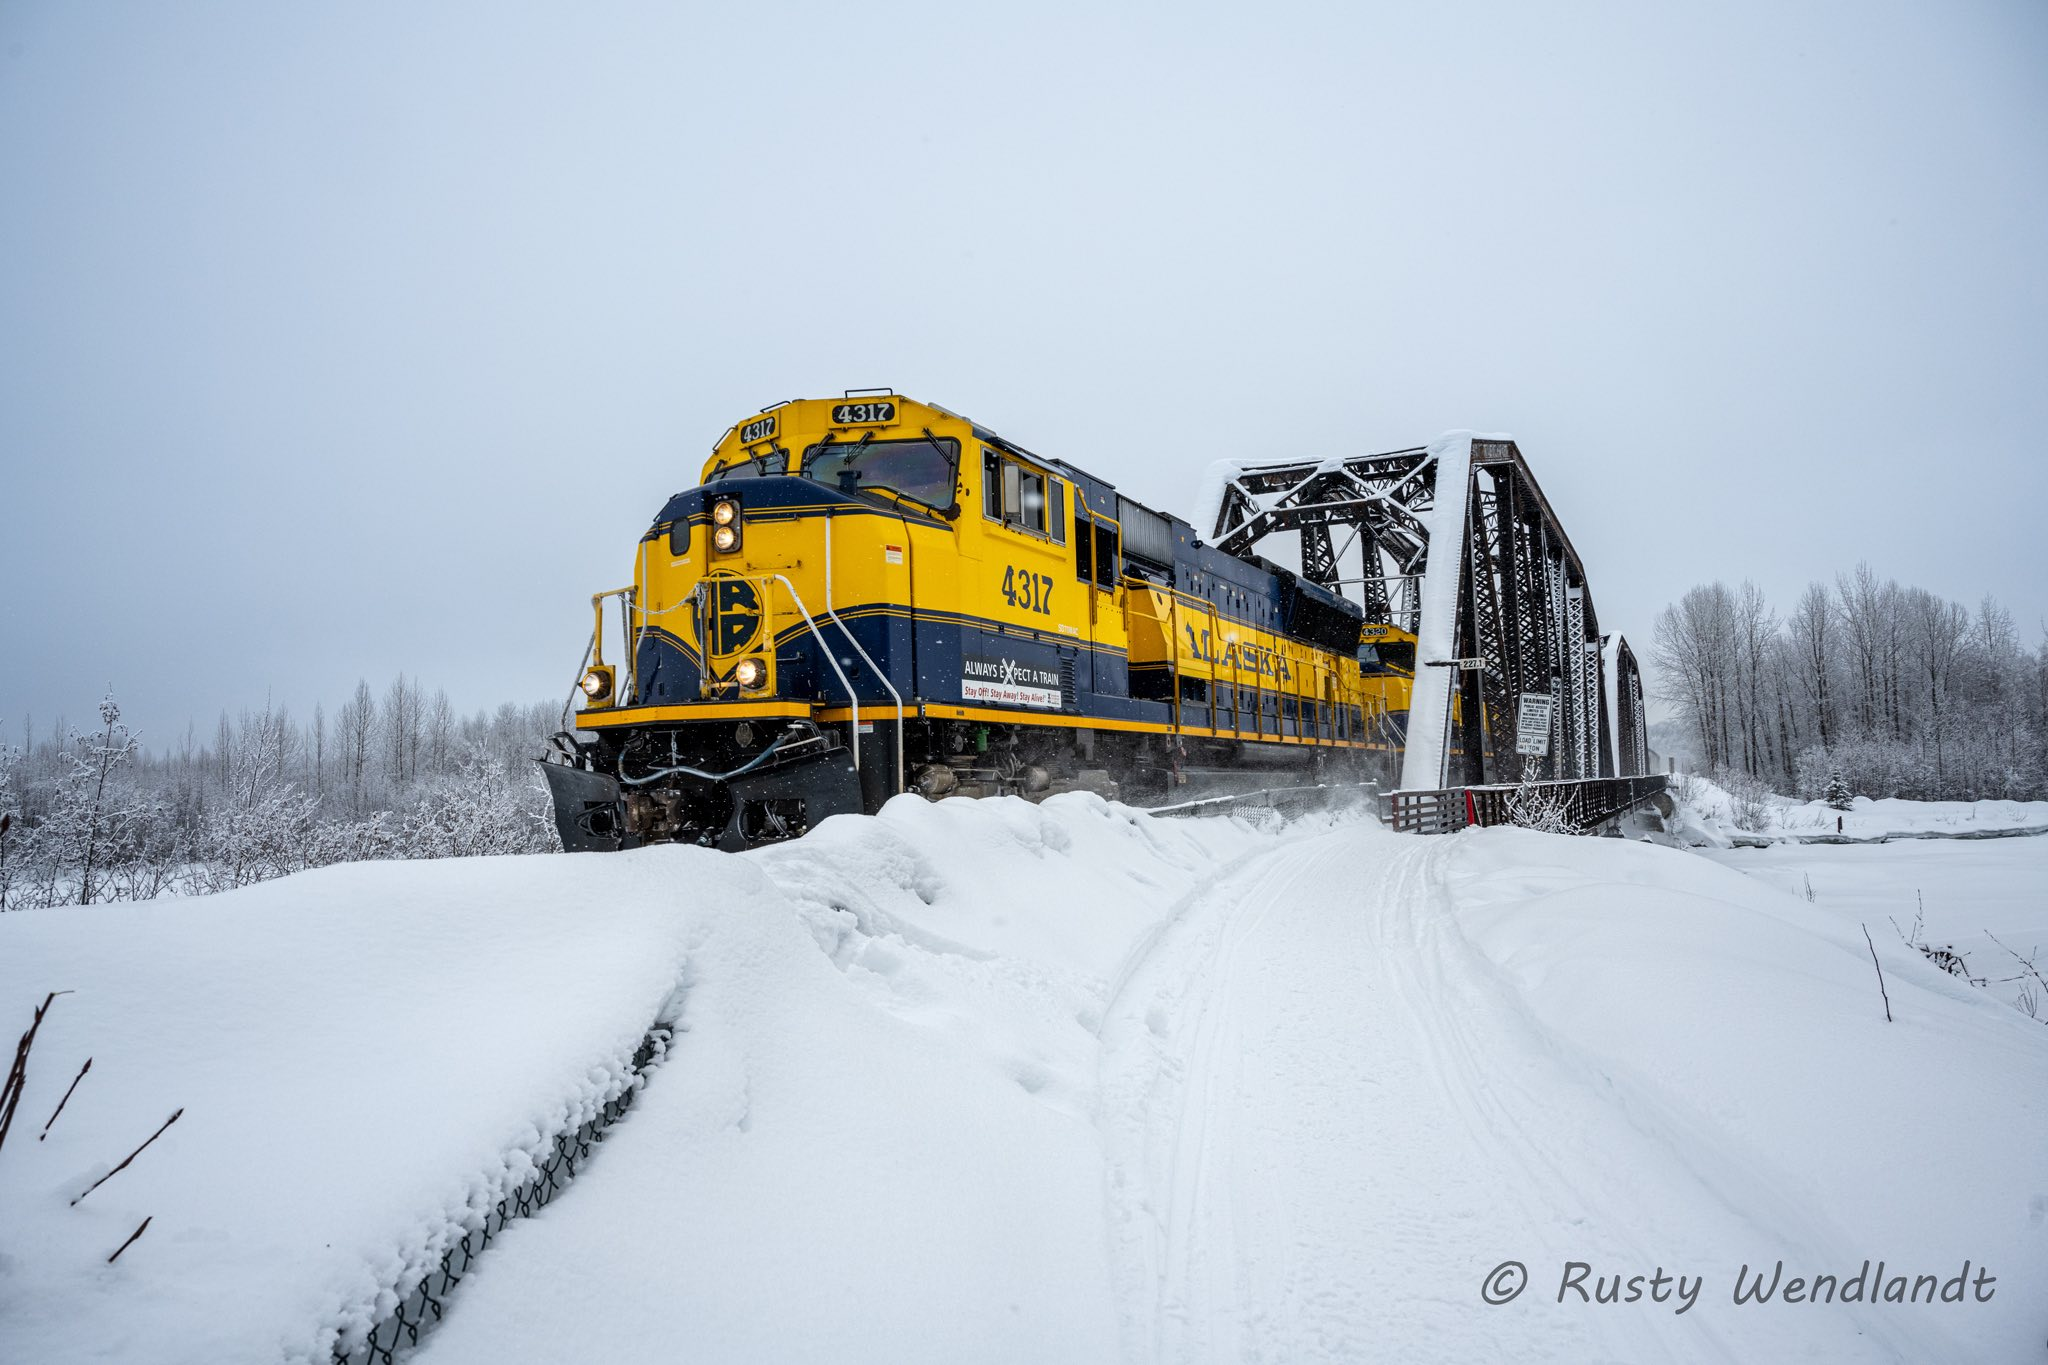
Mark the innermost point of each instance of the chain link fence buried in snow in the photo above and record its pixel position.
(394, 1338)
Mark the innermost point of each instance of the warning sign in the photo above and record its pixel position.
(1532, 728)
(1008, 681)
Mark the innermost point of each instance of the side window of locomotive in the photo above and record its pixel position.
(1105, 555)
(679, 537)
(991, 485)
(1031, 501)
(1084, 545)
(1023, 498)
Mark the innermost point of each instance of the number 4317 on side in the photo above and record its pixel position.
(1031, 591)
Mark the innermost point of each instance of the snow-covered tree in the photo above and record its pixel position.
(1907, 693)
(10, 817)
(93, 814)
(260, 826)
(1838, 794)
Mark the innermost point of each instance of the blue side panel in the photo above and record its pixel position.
(667, 669)
(887, 640)
(1112, 675)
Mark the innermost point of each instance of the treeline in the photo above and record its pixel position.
(92, 816)
(1898, 691)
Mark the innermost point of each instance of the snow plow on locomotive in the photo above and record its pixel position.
(869, 595)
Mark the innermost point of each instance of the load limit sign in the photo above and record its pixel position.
(1532, 726)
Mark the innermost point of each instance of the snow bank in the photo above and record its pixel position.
(1741, 1030)
(1980, 900)
(1895, 818)
(877, 1139)
(367, 1058)
(1000, 1082)
(997, 1083)
(1710, 816)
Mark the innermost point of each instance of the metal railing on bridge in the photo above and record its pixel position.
(1579, 805)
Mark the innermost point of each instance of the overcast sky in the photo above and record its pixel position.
(337, 340)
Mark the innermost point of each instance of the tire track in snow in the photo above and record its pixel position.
(1172, 1057)
(1327, 1116)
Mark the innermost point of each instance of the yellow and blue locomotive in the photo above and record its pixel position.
(869, 595)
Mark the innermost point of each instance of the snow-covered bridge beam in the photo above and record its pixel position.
(1436, 635)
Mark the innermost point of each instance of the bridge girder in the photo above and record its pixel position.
(1508, 600)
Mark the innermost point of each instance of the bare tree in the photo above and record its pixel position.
(1814, 648)
(319, 749)
(440, 733)
(1902, 692)
(355, 729)
(1693, 648)
(1938, 631)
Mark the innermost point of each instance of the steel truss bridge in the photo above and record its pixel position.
(1456, 543)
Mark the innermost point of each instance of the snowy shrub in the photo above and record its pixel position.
(263, 827)
(482, 810)
(352, 841)
(96, 818)
(1534, 806)
(1749, 801)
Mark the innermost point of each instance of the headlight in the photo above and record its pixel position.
(750, 672)
(725, 537)
(724, 512)
(596, 683)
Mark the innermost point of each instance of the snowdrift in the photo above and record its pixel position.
(992, 1081)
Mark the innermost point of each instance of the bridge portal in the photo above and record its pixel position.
(1456, 543)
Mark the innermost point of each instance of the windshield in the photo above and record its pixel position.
(768, 462)
(1388, 656)
(921, 468)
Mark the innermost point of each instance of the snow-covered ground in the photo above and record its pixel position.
(364, 1056)
(1710, 815)
(991, 1081)
(1987, 901)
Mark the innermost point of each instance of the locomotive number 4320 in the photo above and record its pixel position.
(1031, 591)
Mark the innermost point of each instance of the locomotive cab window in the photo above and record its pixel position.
(921, 468)
(1022, 497)
(1030, 504)
(1387, 656)
(768, 462)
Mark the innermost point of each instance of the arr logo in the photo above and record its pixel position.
(735, 615)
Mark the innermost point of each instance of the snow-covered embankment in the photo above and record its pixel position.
(1000, 1082)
